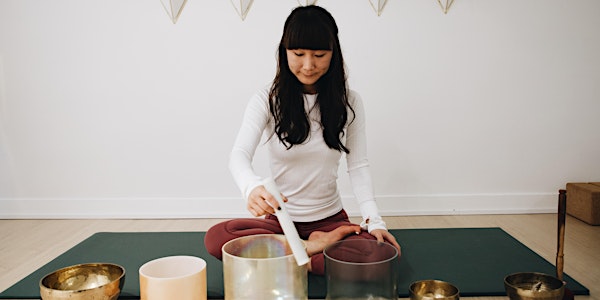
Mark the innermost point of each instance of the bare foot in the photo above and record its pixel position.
(318, 240)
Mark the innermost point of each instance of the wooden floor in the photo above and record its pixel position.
(26, 245)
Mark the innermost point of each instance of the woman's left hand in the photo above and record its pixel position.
(383, 235)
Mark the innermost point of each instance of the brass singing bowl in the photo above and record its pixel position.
(94, 281)
(433, 289)
(533, 286)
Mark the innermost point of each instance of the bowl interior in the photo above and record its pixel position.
(259, 246)
(83, 277)
(433, 289)
(533, 282)
(533, 286)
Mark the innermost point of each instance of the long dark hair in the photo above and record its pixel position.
(310, 27)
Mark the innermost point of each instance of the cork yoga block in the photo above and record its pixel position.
(583, 201)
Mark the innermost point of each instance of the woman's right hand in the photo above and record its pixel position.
(261, 202)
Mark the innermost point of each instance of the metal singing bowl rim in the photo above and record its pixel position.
(56, 272)
(436, 282)
(551, 280)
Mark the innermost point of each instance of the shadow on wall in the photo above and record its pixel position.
(6, 186)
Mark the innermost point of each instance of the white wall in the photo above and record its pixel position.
(107, 109)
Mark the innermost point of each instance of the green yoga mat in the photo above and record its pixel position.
(476, 260)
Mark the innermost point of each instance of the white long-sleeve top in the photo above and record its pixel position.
(307, 173)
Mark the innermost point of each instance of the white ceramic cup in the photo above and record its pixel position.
(173, 277)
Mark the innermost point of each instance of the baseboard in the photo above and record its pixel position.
(165, 208)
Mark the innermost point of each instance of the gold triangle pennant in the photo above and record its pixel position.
(379, 6)
(242, 7)
(173, 8)
(445, 5)
(307, 2)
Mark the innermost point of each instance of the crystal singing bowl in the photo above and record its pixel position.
(533, 286)
(98, 281)
(262, 267)
(361, 269)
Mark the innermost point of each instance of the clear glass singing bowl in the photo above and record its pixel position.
(361, 269)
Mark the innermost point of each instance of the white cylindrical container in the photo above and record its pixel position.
(173, 277)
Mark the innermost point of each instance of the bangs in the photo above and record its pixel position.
(310, 35)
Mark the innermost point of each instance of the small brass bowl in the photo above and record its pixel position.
(433, 289)
(533, 286)
(98, 281)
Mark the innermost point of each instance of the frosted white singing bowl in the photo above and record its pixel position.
(99, 281)
(173, 277)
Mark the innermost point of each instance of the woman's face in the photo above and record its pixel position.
(308, 66)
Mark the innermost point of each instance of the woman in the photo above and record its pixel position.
(309, 118)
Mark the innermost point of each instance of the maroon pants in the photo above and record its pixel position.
(226, 231)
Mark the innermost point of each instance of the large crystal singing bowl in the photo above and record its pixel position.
(361, 269)
(263, 267)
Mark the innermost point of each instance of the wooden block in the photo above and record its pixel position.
(583, 201)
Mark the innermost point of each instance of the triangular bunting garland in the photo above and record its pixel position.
(307, 2)
(242, 7)
(445, 5)
(379, 6)
(173, 8)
